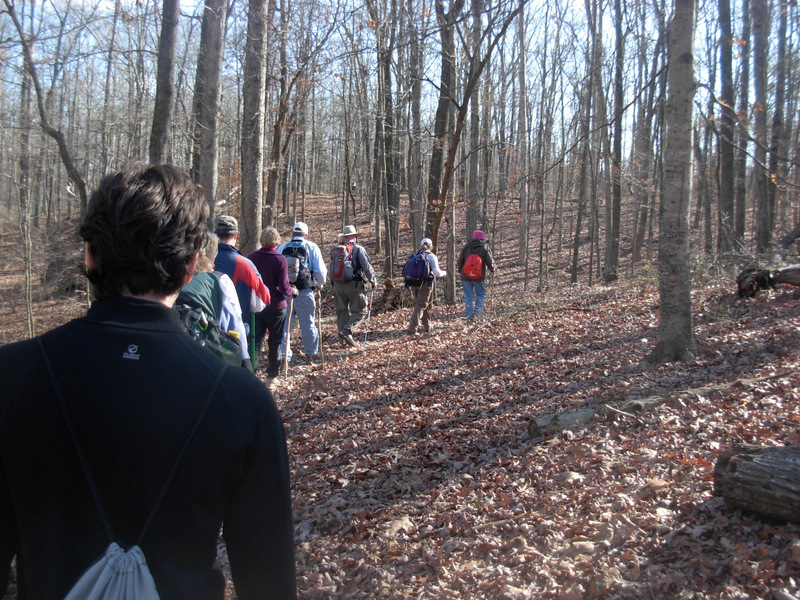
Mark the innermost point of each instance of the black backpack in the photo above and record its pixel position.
(417, 269)
(297, 263)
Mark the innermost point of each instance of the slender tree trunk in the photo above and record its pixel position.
(107, 89)
(676, 330)
(764, 208)
(415, 191)
(44, 120)
(611, 263)
(777, 148)
(727, 117)
(522, 145)
(441, 136)
(586, 119)
(742, 134)
(474, 193)
(276, 147)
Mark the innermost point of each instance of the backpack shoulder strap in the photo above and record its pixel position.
(82, 456)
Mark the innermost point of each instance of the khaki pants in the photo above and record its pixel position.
(351, 300)
(422, 302)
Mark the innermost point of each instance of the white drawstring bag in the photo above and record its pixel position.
(118, 575)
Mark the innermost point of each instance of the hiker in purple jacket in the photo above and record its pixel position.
(270, 322)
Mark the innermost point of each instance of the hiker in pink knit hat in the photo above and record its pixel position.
(472, 264)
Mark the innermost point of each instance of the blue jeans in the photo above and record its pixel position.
(474, 293)
(305, 310)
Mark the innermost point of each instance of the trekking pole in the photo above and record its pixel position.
(369, 314)
(253, 341)
(287, 343)
(319, 327)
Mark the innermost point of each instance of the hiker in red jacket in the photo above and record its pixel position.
(475, 258)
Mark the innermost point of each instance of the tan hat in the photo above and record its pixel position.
(348, 230)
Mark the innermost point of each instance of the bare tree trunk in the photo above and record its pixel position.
(24, 196)
(415, 190)
(676, 330)
(522, 146)
(727, 117)
(764, 208)
(777, 148)
(276, 146)
(441, 136)
(586, 119)
(611, 263)
(742, 135)
(107, 89)
(57, 135)
(473, 193)
(206, 100)
(254, 99)
(162, 109)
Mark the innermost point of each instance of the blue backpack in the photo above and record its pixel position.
(417, 269)
(297, 263)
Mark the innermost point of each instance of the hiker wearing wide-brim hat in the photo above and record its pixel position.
(349, 231)
(473, 273)
(350, 290)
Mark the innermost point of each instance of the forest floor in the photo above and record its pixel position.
(416, 473)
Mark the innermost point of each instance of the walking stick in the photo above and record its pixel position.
(287, 341)
(369, 314)
(253, 340)
(319, 327)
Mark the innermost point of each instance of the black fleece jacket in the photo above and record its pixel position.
(134, 383)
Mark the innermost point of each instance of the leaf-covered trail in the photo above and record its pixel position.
(414, 475)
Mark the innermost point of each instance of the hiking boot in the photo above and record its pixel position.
(410, 332)
(347, 338)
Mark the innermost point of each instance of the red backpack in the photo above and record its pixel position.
(473, 267)
(341, 266)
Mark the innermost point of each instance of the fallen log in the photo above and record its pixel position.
(750, 281)
(762, 480)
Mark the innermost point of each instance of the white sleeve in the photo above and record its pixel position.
(231, 317)
(435, 270)
(317, 264)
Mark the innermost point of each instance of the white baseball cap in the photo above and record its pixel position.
(300, 227)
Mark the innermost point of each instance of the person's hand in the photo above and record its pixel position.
(444, 274)
(374, 284)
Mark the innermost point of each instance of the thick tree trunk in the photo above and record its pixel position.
(253, 92)
(162, 109)
(762, 480)
(676, 331)
(205, 106)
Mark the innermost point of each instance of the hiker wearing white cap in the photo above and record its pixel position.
(472, 264)
(350, 283)
(420, 275)
(307, 273)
